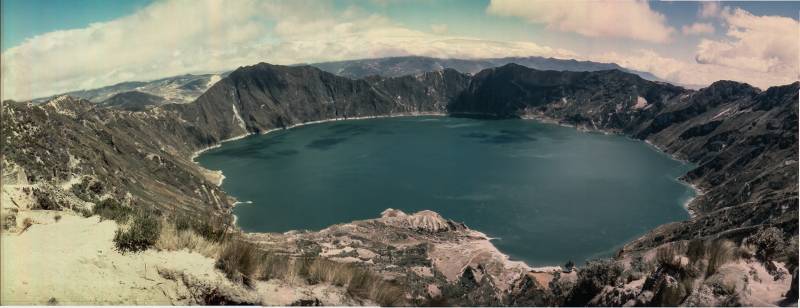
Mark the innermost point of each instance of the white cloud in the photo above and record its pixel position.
(767, 44)
(698, 28)
(630, 19)
(690, 73)
(439, 28)
(709, 9)
(177, 37)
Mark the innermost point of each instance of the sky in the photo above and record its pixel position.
(51, 47)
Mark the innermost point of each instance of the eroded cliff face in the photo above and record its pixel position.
(68, 152)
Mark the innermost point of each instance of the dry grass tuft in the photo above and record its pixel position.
(696, 250)
(244, 262)
(719, 253)
(240, 261)
(172, 239)
(669, 256)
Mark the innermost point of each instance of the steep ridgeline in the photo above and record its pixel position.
(414, 65)
(176, 89)
(258, 98)
(743, 140)
(133, 101)
(71, 147)
(144, 157)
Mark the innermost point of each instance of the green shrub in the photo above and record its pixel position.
(86, 213)
(239, 261)
(696, 250)
(183, 223)
(768, 242)
(45, 201)
(142, 234)
(112, 209)
(792, 254)
(88, 189)
(592, 278)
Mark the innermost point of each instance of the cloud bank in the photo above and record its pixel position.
(698, 28)
(179, 36)
(619, 19)
(767, 44)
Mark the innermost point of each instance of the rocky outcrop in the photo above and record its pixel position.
(263, 97)
(133, 101)
(434, 258)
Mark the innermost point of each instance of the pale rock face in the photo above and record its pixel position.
(640, 103)
(426, 220)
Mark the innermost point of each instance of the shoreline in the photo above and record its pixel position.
(199, 152)
(541, 119)
(686, 204)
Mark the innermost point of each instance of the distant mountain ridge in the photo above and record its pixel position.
(186, 88)
(133, 101)
(179, 89)
(412, 65)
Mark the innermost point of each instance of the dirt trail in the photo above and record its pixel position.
(73, 262)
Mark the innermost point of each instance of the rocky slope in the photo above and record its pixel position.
(177, 89)
(133, 101)
(67, 152)
(186, 88)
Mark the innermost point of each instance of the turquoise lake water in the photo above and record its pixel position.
(547, 193)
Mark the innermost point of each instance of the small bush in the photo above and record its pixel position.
(792, 254)
(57, 217)
(768, 242)
(183, 223)
(142, 234)
(26, 223)
(212, 230)
(275, 266)
(592, 278)
(86, 213)
(696, 250)
(112, 209)
(171, 239)
(45, 201)
(239, 261)
(88, 189)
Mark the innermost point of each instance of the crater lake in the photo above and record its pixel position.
(545, 193)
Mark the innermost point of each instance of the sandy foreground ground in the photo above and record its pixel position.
(73, 262)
